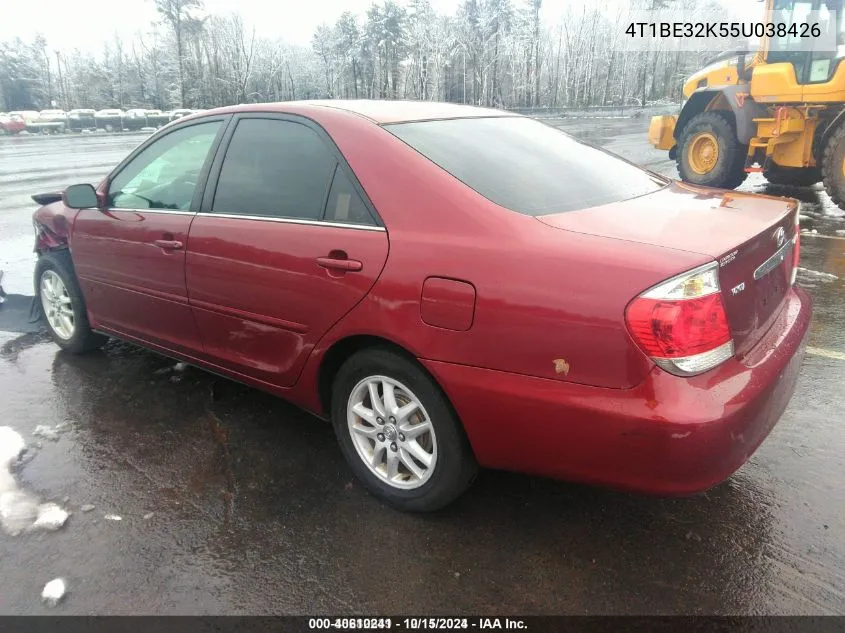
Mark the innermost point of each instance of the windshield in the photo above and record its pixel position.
(524, 165)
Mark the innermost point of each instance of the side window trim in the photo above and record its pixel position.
(324, 214)
(202, 179)
(225, 140)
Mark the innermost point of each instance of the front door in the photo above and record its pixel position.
(285, 246)
(130, 256)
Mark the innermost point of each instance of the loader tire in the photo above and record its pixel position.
(833, 167)
(793, 176)
(709, 152)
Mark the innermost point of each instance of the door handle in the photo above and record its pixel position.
(335, 263)
(169, 245)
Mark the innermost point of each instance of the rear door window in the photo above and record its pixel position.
(526, 166)
(275, 168)
(344, 204)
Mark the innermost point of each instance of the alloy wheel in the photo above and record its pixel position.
(57, 304)
(391, 432)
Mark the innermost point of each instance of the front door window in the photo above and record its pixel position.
(164, 175)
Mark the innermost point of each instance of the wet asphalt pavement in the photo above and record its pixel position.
(232, 501)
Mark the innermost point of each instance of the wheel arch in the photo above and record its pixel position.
(57, 251)
(342, 349)
(724, 99)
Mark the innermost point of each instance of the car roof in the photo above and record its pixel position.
(378, 111)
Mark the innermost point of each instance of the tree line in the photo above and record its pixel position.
(501, 53)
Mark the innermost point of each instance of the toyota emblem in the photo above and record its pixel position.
(780, 236)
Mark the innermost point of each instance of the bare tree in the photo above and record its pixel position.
(178, 15)
(504, 53)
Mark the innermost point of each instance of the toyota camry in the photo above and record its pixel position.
(452, 287)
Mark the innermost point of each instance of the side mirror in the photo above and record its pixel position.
(80, 197)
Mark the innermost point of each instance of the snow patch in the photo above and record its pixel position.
(113, 517)
(51, 433)
(11, 446)
(54, 591)
(20, 510)
(50, 517)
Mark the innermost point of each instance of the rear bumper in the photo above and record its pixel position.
(668, 435)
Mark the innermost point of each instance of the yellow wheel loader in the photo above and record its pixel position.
(779, 110)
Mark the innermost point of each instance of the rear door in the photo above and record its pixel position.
(285, 245)
(130, 255)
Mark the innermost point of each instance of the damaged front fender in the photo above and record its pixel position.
(52, 223)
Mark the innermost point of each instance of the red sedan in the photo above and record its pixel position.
(11, 124)
(453, 287)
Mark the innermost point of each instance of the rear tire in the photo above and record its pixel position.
(383, 435)
(709, 152)
(833, 166)
(63, 305)
(793, 176)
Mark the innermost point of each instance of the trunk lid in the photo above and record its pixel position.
(740, 231)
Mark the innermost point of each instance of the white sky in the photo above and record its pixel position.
(87, 24)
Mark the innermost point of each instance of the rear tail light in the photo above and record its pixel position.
(681, 323)
(796, 248)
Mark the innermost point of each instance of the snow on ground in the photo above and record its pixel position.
(11, 446)
(54, 591)
(20, 510)
(51, 433)
(50, 517)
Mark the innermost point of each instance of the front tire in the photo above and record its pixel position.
(399, 433)
(709, 152)
(63, 305)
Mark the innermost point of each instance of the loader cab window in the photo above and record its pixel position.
(810, 66)
(823, 63)
(790, 49)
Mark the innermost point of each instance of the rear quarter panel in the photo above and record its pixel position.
(542, 295)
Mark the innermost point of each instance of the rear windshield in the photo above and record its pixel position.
(526, 166)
